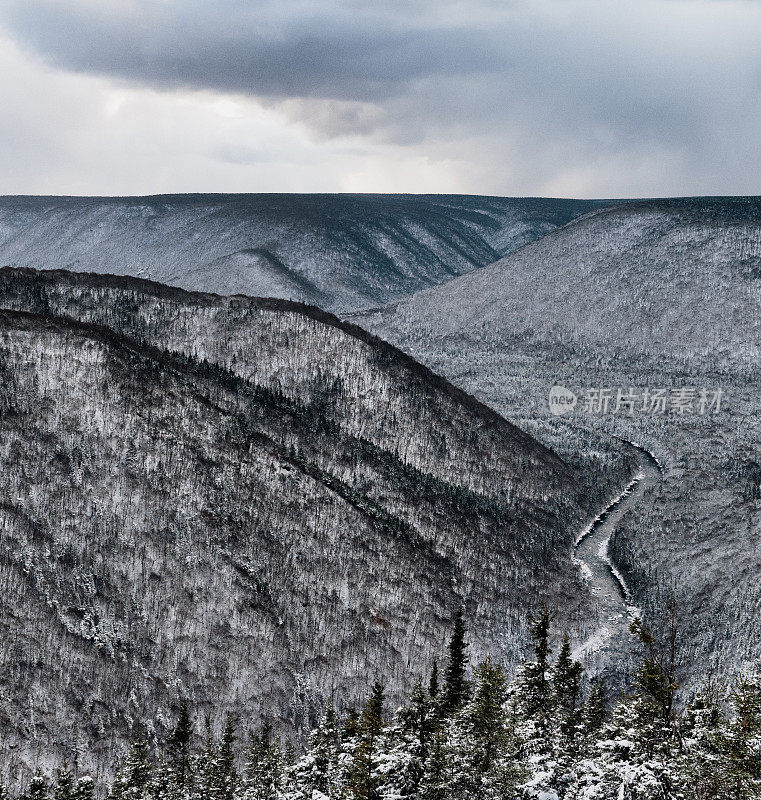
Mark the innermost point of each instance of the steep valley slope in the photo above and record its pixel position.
(655, 296)
(340, 252)
(250, 505)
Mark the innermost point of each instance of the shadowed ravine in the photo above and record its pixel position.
(615, 612)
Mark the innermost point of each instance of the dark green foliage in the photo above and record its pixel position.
(85, 788)
(566, 688)
(264, 766)
(226, 778)
(463, 500)
(178, 752)
(418, 724)
(319, 770)
(656, 678)
(433, 683)
(207, 782)
(134, 776)
(435, 784)
(485, 719)
(418, 718)
(38, 789)
(65, 786)
(741, 741)
(456, 687)
(594, 711)
(537, 691)
(363, 782)
(534, 737)
(351, 725)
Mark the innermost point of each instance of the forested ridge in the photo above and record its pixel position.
(311, 505)
(545, 733)
(246, 505)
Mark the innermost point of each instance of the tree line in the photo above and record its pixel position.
(470, 734)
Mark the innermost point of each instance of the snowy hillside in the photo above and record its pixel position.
(249, 505)
(657, 295)
(341, 252)
(660, 278)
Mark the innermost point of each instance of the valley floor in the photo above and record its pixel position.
(611, 642)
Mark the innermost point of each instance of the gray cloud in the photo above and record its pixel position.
(261, 49)
(531, 96)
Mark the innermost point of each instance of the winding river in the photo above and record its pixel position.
(606, 584)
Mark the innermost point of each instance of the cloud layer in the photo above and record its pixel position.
(566, 97)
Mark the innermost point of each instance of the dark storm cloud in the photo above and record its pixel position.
(526, 96)
(590, 62)
(260, 49)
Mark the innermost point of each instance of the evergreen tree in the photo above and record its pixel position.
(37, 789)
(264, 766)
(178, 753)
(134, 777)
(64, 787)
(566, 685)
(85, 788)
(206, 783)
(325, 753)
(404, 764)
(351, 725)
(435, 783)
(704, 766)
(567, 715)
(656, 678)
(485, 716)
(318, 771)
(594, 712)
(226, 778)
(433, 683)
(533, 703)
(482, 748)
(654, 730)
(162, 783)
(626, 765)
(537, 694)
(742, 740)
(364, 780)
(566, 678)
(456, 688)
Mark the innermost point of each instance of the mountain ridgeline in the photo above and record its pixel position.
(644, 281)
(340, 252)
(245, 504)
(660, 296)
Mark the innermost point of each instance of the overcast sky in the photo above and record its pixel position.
(572, 98)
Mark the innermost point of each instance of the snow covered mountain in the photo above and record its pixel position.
(248, 504)
(654, 295)
(341, 252)
(652, 279)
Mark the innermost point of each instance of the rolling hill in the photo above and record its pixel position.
(340, 252)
